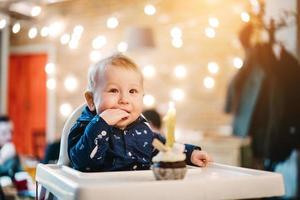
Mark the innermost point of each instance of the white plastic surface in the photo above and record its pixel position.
(214, 182)
(63, 152)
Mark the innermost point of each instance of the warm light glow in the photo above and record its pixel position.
(245, 17)
(149, 100)
(2, 23)
(149, 71)
(78, 30)
(122, 47)
(45, 31)
(254, 2)
(149, 9)
(177, 94)
(65, 109)
(210, 32)
(112, 22)
(32, 33)
(51, 84)
(36, 11)
(180, 71)
(213, 67)
(16, 28)
(95, 56)
(238, 62)
(71, 83)
(55, 29)
(177, 42)
(50, 68)
(176, 32)
(208, 82)
(213, 22)
(73, 44)
(99, 42)
(65, 38)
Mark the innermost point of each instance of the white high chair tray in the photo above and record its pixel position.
(213, 182)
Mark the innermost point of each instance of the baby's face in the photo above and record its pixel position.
(120, 88)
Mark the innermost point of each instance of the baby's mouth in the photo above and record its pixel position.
(124, 118)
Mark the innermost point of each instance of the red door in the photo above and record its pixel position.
(27, 102)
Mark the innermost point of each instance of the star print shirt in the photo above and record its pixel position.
(95, 146)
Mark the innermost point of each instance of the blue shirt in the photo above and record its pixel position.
(95, 146)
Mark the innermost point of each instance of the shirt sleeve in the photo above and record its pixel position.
(188, 148)
(88, 144)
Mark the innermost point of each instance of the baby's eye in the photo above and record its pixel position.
(113, 90)
(133, 91)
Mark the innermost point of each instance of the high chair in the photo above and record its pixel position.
(63, 158)
(63, 182)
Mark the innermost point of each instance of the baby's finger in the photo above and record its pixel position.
(122, 114)
(200, 163)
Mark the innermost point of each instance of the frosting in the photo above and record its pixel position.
(172, 155)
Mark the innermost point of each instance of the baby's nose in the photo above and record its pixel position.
(124, 99)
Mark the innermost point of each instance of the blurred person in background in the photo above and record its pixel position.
(9, 160)
(154, 118)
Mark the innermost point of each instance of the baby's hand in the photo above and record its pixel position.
(113, 116)
(200, 158)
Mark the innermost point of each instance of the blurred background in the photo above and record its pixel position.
(226, 65)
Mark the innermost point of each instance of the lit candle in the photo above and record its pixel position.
(170, 124)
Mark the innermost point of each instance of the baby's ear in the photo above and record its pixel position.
(89, 100)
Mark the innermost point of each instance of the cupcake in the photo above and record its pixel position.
(169, 163)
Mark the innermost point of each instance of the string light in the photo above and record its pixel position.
(65, 109)
(238, 62)
(213, 22)
(176, 32)
(16, 28)
(149, 100)
(36, 11)
(180, 71)
(73, 44)
(255, 6)
(112, 22)
(177, 42)
(99, 42)
(65, 38)
(51, 84)
(78, 30)
(149, 9)
(213, 67)
(122, 47)
(95, 56)
(71, 83)
(50, 68)
(177, 94)
(55, 28)
(45, 31)
(75, 37)
(2, 23)
(210, 32)
(245, 17)
(208, 82)
(32, 33)
(149, 71)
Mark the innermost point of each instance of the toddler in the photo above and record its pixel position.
(111, 134)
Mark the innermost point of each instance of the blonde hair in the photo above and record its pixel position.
(116, 60)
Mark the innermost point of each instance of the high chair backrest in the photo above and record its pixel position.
(63, 158)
